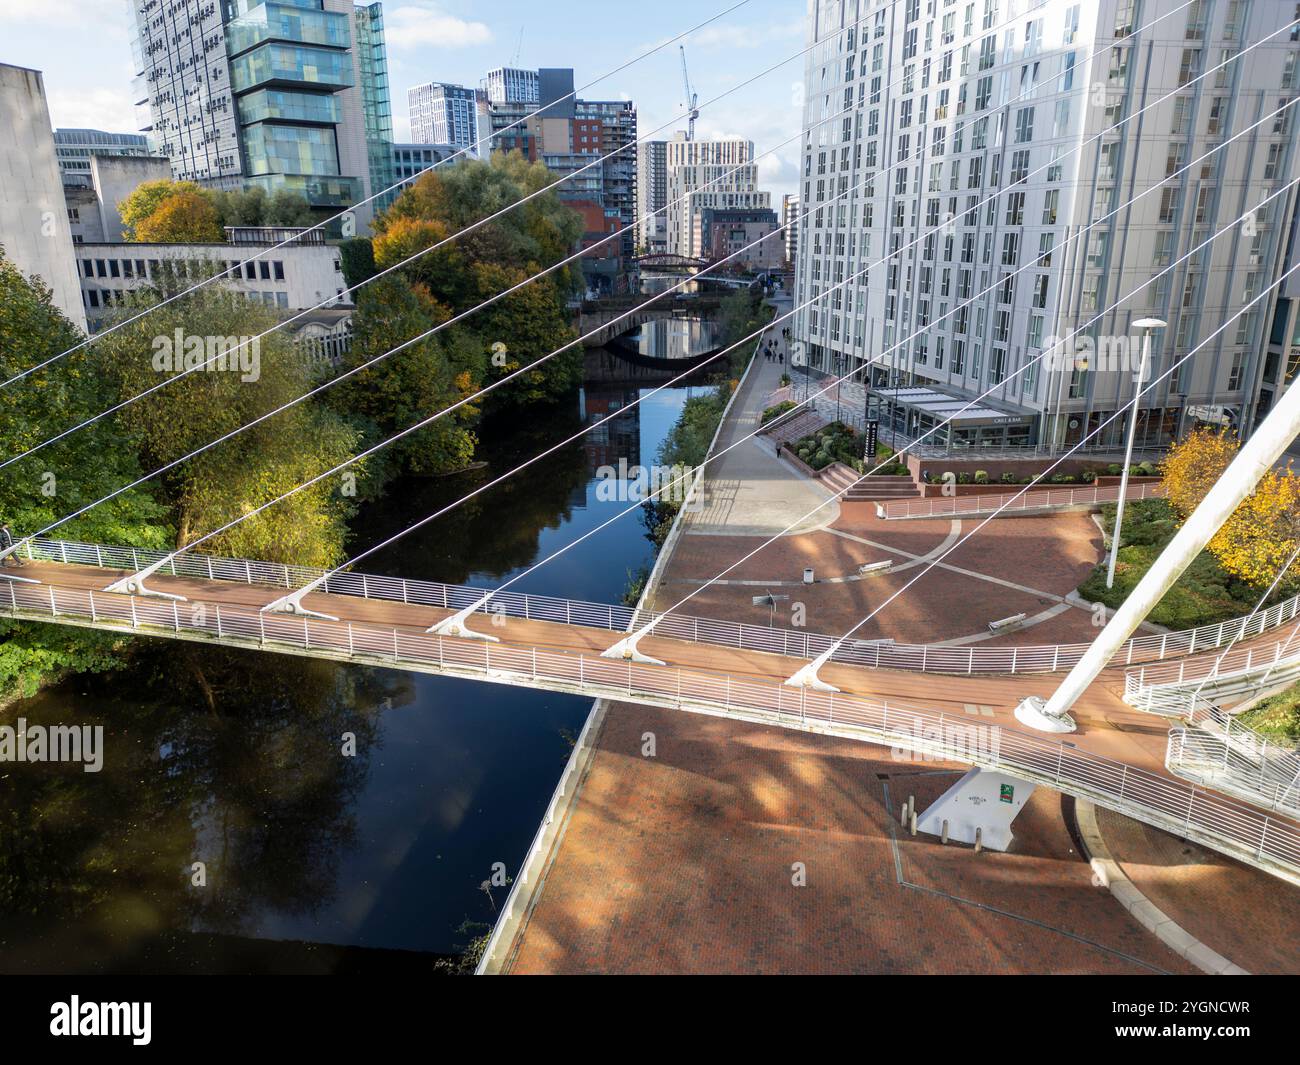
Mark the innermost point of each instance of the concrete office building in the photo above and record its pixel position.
(959, 112)
(74, 147)
(92, 208)
(751, 234)
(244, 93)
(652, 196)
(34, 229)
(299, 275)
(707, 174)
(443, 114)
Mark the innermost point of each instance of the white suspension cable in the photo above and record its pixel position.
(127, 584)
(393, 267)
(807, 676)
(398, 265)
(474, 149)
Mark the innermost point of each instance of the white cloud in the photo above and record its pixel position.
(108, 109)
(429, 25)
(102, 17)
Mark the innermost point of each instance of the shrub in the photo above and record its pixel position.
(1010, 478)
(981, 477)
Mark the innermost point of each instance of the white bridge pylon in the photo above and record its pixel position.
(1256, 457)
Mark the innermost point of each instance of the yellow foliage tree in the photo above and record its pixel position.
(182, 218)
(145, 199)
(1255, 543)
(1194, 464)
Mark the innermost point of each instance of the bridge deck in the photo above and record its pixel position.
(1107, 726)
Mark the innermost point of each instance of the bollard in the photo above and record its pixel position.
(913, 825)
(944, 837)
(902, 817)
(911, 805)
(979, 840)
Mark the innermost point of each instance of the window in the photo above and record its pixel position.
(1024, 125)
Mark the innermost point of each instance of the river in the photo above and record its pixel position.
(234, 760)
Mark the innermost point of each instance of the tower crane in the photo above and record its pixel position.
(692, 111)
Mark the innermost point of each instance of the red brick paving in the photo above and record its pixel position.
(682, 864)
(1249, 917)
(1046, 554)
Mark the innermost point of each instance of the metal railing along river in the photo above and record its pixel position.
(1190, 811)
(798, 643)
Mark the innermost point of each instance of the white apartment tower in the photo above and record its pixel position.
(934, 106)
(511, 85)
(443, 114)
(652, 194)
(704, 174)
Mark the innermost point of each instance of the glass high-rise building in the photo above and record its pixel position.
(242, 93)
(376, 100)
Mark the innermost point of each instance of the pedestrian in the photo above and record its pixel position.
(781, 358)
(6, 542)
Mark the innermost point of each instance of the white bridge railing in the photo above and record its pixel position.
(1223, 824)
(1239, 762)
(798, 643)
(1014, 502)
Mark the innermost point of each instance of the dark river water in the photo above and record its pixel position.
(232, 758)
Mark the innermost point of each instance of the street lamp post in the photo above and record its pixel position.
(1146, 325)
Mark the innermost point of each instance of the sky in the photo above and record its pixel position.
(83, 47)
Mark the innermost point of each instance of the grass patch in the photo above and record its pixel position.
(1277, 717)
(1204, 594)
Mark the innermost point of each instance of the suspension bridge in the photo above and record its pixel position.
(1116, 759)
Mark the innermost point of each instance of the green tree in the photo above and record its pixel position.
(64, 477)
(239, 384)
(414, 383)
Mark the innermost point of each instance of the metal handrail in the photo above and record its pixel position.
(799, 643)
(1223, 824)
(1012, 502)
(1221, 763)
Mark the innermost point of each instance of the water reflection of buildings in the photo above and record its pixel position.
(618, 438)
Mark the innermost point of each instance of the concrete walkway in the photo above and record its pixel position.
(751, 492)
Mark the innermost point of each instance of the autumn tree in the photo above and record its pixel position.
(1194, 464)
(181, 218)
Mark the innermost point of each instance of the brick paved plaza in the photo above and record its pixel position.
(682, 864)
